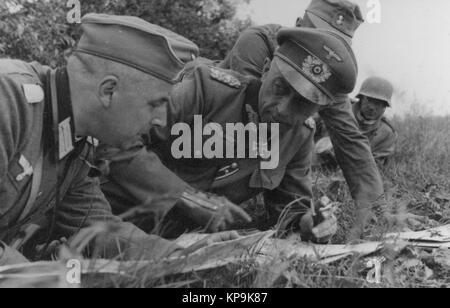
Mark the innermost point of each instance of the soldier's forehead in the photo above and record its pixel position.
(373, 100)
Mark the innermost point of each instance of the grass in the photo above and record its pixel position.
(417, 183)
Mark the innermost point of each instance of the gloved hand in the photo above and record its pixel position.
(319, 225)
(212, 212)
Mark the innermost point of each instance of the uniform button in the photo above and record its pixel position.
(234, 166)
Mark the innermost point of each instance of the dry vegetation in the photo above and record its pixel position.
(417, 183)
(417, 179)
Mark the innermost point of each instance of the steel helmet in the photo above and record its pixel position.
(378, 88)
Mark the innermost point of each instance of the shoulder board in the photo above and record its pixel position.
(225, 78)
(310, 123)
(388, 123)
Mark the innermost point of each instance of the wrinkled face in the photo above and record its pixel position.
(280, 103)
(372, 109)
(137, 106)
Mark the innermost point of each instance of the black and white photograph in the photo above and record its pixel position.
(224, 150)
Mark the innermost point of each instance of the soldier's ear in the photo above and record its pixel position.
(106, 90)
(355, 100)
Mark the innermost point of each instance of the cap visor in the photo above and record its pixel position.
(301, 84)
(319, 23)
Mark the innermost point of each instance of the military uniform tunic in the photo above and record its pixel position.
(219, 97)
(353, 153)
(26, 132)
(383, 141)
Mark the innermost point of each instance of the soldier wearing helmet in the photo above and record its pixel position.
(374, 98)
(369, 109)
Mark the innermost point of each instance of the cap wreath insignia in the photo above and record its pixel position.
(316, 69)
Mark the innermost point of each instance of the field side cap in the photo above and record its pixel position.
(136, 43)
(316, 59)
(341, 15)
(378, 88)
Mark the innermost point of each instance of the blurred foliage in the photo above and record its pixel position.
(421, 159)
(38, 30)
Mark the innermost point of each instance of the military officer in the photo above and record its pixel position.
(301, 78)
(115, 85)
(351, 146)
(369, 108)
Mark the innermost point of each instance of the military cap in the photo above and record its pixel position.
(337, 15)
(136, 43)
(378, 88)
(318, 63)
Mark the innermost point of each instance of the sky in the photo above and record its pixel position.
(410, 47)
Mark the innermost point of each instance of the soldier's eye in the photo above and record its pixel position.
(280, 87)
(159, 102)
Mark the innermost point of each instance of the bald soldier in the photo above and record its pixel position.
(352, 148)
(299, 80)
(115, 86)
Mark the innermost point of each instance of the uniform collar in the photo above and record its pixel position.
(59, 89)
(251, 106)
(63, 94)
